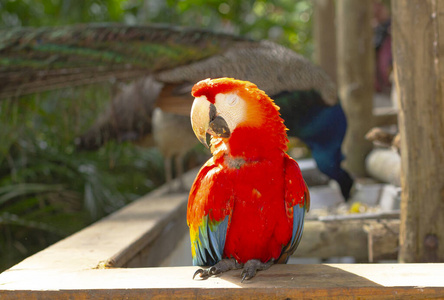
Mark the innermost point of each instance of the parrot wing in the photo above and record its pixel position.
(209, 209)
(297, 202)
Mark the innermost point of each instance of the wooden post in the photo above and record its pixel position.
(324, 35)
(355, 78)
(418, 48)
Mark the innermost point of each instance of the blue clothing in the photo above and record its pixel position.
(321, 127)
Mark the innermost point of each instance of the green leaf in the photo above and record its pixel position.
(11, 219)
(13, 191)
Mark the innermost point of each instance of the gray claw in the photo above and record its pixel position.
(199, 271)
(213, 271)
(252, 266)
(205, 273)
(221, 267)
(248, 273)
(244, 276)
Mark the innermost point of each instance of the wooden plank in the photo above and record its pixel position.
(382, 215)
(348, 281)
(72, 268)
(116, 239)
(339, 238)
(383, 240)
(419, 73)
(154, 253)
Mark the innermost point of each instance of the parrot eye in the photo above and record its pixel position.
(232, 99)
(231, 108)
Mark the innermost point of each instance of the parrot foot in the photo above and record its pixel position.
(252, 266)
(222, 266)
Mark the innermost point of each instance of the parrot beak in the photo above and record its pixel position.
(200, 119)
(206, 123)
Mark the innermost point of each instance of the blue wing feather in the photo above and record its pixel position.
(297, 198)
(298, 225)
(211, 242)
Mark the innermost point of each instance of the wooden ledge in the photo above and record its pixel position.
(91, 263)
(117, 239)
(371, 281)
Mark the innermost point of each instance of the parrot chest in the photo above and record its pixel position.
(259, 226)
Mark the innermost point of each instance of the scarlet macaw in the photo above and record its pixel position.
(247, 205)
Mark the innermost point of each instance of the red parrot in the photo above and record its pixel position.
(247, 204)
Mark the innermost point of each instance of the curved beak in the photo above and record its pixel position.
(200, 119)
(206, 122)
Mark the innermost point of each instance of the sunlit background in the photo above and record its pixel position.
(48, 190)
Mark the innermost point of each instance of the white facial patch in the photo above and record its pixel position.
(232, 108)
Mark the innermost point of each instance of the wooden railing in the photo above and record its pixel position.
(117, 258)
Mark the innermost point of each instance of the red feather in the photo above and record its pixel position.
(250, 179)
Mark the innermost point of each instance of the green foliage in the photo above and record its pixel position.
(284, 21)
(47, 189)
(287, 22)
(60, 12)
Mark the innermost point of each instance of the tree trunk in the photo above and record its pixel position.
(418, 47)
(355, 78)
(324, 34)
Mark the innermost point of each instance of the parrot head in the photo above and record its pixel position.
(237, 115)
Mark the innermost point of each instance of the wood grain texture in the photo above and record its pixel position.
(349, 238)
(355, 78)
(324, 36)
(418, 45)
(78, 268)
(383, 240)
(370, 281)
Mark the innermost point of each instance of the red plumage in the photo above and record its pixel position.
(242, 203)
